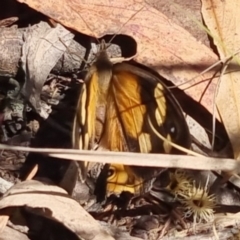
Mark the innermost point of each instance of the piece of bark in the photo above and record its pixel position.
(12, 41)
(11, 46)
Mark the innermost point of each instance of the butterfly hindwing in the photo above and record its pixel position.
(119, 178)
(84, 121)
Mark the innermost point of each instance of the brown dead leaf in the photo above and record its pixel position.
(9, 234)
(43, 46)
(35, 194)
(222, 19)
(162, 44)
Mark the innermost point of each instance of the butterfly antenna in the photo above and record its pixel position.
(85, 22)
(120, 29)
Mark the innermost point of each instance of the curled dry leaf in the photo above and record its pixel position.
(62, 208)
(42, 48)
(162, 44)
(222, 19)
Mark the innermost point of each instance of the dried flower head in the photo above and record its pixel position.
(199, 204)
(179, 182)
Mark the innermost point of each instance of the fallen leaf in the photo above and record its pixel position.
(162, 44)
(222, 19)
(62, 208)
(42, 48)
(9, 234)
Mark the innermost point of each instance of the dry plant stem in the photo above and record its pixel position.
(215, 232)
(129, 158)
(206, 70)
(226, 62)
(122, 59)
(201, 73)
(4, 216)
(221, 222)
(119, 31)
(187, 151)
(107, 212)
(32, 173)
(72, 53)
(179, 218)
(3, 221)
(165, 228)
(233, 217)
(226, 175)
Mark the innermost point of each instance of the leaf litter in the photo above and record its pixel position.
(176, 55)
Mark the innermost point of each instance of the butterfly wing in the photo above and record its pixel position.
(120, 178)
(135, 108)
(140, 108)
(89, 121)
(84, 121)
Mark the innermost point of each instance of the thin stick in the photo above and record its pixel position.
(137, 159)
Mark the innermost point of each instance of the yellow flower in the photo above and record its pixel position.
(199, 204)
(179, 182)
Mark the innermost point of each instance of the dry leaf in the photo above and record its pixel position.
(35, 194)
(4, 185)
(10, 234)
(161, 43)
(42, 48)
(225, 224)
(222, 19)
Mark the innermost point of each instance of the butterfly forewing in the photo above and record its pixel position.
(140, 97)
(130, 111)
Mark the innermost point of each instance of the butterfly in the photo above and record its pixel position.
(121, 107)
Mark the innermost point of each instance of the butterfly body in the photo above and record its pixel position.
(120, 105)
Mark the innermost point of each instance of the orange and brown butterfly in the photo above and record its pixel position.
(121, 107)
(124, 107)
